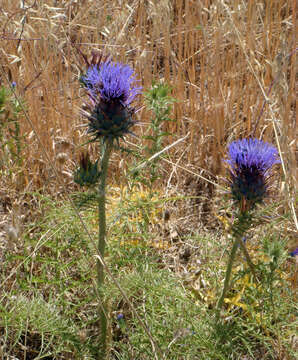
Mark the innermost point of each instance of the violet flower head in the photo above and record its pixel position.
(111, 88)
(294, 252)
(120, 317)
(251, 161)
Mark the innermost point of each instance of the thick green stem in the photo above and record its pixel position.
(244, 222)
(102, 208)
(106, 151)
(228, 275)
(241, 225)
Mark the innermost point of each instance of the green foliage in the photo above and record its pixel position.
(159, 102)
(36, 320)
(86, 200)
(136, 214)
(12, 142)
(50, 307)
(162, 303)
(258, 311)
(52, 283)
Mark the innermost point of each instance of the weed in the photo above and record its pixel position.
(148, 171)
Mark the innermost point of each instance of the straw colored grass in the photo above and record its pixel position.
(230, 64)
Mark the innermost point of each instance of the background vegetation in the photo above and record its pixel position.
(231, 69)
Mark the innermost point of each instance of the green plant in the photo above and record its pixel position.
(250, 162)
(147, 171)
(111, 87)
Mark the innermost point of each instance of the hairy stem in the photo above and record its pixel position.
(106, 151)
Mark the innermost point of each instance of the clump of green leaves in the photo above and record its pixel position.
(12, 142)
(159, 102)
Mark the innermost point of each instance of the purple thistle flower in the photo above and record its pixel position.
(294, 252)
(120, 316)
(112, 81)
(250, 163)
(111, 88)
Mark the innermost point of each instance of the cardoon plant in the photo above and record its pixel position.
(111, 88)
(250, 163)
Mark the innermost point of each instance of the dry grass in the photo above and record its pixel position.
(230, 63)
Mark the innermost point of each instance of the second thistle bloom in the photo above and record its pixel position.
(111, 88)
(250, 161)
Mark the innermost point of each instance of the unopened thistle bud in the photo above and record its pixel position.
(87, 173)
